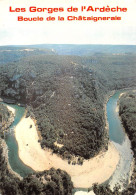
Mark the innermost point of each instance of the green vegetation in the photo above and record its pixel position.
(6, 119)
(11, 53)
(65, 98)
(105, 190)
(66, 95)
(127, 112)
(116, 71)
(49, 182)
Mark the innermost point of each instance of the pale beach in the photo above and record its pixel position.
(117, 107)
(95, 170)
(84, 193)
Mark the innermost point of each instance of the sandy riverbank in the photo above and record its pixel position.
(117, 107)
(95, 170)
(84, 193)
(125, 166)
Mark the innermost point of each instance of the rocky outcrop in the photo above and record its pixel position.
(6, 118)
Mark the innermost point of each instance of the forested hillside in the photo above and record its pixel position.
(65, 95)
(11, 54)
(127, 112)
(65, 98)
(47, 182)
(116, 71)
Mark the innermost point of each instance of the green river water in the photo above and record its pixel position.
(116, 135)
(16, 164)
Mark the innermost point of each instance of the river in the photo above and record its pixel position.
(16, 164)
(121, 141)
(116, 135)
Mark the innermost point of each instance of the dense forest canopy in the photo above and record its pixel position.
(48, 182)
(66, 95)
(65, 98)
(127, 111)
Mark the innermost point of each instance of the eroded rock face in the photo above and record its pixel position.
(10, 92)
(15, 77)
(16, 88)
(6, 118)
